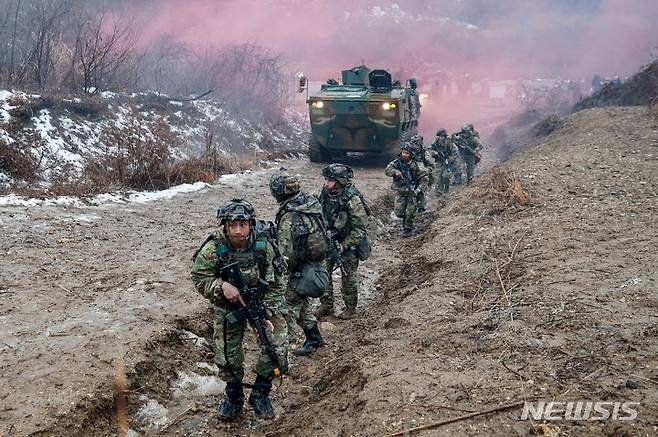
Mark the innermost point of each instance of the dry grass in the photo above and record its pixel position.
(501, 185)
(144, 162)
(136, 160)
(17, 161)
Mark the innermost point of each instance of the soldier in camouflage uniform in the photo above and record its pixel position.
(468, 143)
(446, 156)
(236, 242)
(295, 220)
(424, 157)
(409, 178)
(346, 214)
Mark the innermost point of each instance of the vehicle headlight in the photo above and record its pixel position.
(386, 106)
(318, 104)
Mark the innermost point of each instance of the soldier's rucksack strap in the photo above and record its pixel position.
(196, 252)
(352, 191)
(260, 248)
(222, 251)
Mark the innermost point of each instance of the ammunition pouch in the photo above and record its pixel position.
(235, 316)
(311, 280)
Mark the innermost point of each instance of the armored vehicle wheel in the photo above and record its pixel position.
(317, 153)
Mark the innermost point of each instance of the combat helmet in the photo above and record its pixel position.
(283, 185)
(236, 209)
(407, 146)
(442, 133)
(416, 139)
(341, 173)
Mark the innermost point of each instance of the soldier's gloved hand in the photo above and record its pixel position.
(231, 293)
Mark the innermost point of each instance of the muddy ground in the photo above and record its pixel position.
(492, 303)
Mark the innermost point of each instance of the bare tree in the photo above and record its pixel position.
(103, 58)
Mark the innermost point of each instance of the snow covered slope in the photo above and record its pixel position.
(63, 134)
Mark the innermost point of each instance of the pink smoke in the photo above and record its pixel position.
(506, 39)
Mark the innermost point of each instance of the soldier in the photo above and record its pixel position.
(237, 242)
(467, 140)
(346, 213)
(446, 155)
(302, 240)
(423, 157)
(409, 178)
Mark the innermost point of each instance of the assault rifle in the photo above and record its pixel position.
(443, 156)
(462, 143)
(254, 311)
(334, 252)
(407, 176)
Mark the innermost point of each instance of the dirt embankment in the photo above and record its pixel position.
(494, 302)
(497, 303)
(641, 89)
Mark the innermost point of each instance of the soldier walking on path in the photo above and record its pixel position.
(301, 239)
(409, 179)
(346, 212)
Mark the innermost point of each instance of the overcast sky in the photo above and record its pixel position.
(501, 38)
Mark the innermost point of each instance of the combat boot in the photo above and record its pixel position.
(231, 406)
(324, 309)
(260, 398)
(406, 232)
(347, 314)
(313, 341)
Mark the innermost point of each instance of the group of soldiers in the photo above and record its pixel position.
(266, 274)
(281, 266)
(418, 169)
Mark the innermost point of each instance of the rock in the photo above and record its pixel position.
(327, 326)
(632, 384)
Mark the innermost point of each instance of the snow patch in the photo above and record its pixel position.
(193, 384)
(210, 367)
(152, 414)
(5, 107)
(130, 197)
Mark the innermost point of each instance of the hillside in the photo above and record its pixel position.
(64, 135)
(499, 302)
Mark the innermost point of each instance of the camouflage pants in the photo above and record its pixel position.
(430, 176)
(469, 162)
(299, 310)
(349, 281)
(232, 348)
(405, 207)
(443, 176)
(421, 200)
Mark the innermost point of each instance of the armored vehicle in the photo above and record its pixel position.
(368, 112)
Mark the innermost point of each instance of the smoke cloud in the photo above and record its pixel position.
(501, 40)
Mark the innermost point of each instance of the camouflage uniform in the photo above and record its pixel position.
(300, 225)
(446, 155)
(256, 262)
(347, 220)
(424, 158)
(405, 198)
(299, 307)
(467, 140)
(209, 286)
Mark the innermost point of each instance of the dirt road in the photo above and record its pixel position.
(84, 286)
